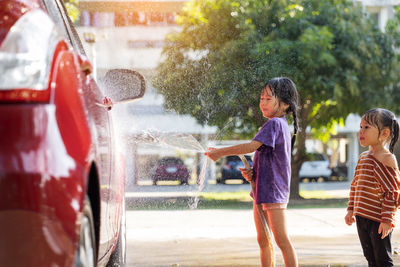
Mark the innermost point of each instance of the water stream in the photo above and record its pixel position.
(178, 141)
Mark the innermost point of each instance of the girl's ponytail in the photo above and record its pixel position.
(295, 123)
(395, 134)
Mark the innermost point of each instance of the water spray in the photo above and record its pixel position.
(188, 142)
(175, 140)
(180, 141)
(260, 213)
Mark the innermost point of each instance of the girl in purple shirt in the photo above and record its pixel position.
(271, 165)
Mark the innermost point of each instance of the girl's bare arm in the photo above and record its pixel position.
(217, 153)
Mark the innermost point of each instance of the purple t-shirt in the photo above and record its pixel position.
(271, 163)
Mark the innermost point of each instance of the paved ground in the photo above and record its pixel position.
(227, 238)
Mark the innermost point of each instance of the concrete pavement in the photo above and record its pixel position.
(228, 238)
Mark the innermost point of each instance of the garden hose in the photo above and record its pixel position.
(260, 212)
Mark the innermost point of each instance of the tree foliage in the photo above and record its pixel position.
(216, 66)
(72, 7)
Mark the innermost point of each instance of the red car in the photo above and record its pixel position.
(61, 178)
(171, 169)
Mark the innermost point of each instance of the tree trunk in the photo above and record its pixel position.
(297, 160)
(299, 156)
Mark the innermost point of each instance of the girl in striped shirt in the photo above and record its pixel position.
(374, 191)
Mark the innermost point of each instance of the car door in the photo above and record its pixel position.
(99, 123)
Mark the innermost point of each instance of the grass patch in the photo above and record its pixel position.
(187, 203)
(315, 194)
(317, 203)
(225, 200)
(226, 196)
(206, 200)
(317, 199)
(230, 200)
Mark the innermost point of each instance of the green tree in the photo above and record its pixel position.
(72, 7)
(216, 66)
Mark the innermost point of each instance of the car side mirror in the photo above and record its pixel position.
(123, 85)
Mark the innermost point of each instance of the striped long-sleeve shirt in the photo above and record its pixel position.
(374, 191)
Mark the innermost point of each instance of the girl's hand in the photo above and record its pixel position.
(247, 174)
(384, 229)
(212, 154)
(349, 218)
(108, 103)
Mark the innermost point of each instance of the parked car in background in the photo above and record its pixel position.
(170, 169)
(62, 179)
(339, 173)
(316, 167)
(228, 168)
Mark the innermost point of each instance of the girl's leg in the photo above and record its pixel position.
(377, 251)
(266, 255)
(382, 248)
(278, 226)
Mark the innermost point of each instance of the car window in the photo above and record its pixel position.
(248, 158)
(171, 161)
(236, 158)
(232, 158)
(315, 157)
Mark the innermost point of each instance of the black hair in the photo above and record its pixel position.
(285, 90)
(383, 118)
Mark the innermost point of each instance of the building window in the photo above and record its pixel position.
(129, 18)
(121, 19)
